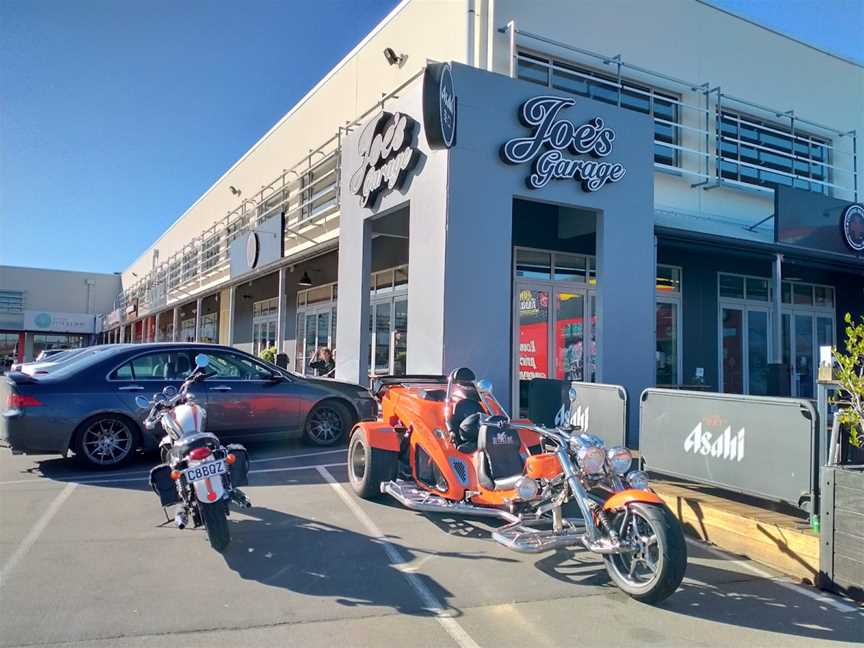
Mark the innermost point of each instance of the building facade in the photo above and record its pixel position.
(544, 190)
(45, 309)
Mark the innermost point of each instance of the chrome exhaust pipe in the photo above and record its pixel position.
(181, 520)
(417, 499)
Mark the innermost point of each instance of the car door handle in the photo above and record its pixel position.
(220, 388)
(131, 388)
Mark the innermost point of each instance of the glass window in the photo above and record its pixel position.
(666, 356)
(123, 373)
(786, 293)
(229, 366)
(802, 294)
(570, 267)
(171, 365)
(668, 279)
(400, 337)
(757, 351)
(757, 289)
(381, 361)
(533, 265)
(533, 69)
(731, 286)
(733, 351)
(824, 296)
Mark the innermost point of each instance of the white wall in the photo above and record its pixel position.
(422, 29)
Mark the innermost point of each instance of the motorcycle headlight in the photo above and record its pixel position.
(527, 488)
(620, 459)
(638, 479)
(591, 459)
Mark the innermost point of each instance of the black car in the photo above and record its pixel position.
(88, 406)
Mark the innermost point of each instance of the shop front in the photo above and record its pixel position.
(530, 251)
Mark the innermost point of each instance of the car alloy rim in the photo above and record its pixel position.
(325, 424)
(107, 441)
(641, 567)
(358, 461)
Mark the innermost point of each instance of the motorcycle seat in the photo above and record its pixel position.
(500, 463)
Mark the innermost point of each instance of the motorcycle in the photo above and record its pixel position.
(197, 473)
(445, 445)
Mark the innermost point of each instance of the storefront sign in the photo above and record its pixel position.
(385, 146)
(812, 220)
(553, 137)
(258, 248)
(132, 308)
(59, 322)
(853, 227)
(439, 105)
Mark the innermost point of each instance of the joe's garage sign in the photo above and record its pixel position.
(554, 139)
(387, 155)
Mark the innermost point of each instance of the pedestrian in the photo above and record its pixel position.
(322, 363)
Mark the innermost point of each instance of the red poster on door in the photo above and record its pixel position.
(533, 351)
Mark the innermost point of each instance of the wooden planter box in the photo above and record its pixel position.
(841, 555)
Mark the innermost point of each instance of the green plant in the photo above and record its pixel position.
(268, 355)
(850, 375)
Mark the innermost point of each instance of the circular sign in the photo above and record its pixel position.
(447, 106)
(852, 224)
(42, 320)
(252, 250)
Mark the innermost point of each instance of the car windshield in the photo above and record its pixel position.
(81, 361)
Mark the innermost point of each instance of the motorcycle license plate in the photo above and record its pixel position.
(209, 469)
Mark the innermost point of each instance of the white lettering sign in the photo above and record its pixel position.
(386, 156)
(724, 445)
(552, 137)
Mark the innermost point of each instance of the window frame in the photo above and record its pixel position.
(674, 297)
(111, 378)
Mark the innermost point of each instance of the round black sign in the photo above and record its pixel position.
(852, 224)
(439, 106)
(251, 250)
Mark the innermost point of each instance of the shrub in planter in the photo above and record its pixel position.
(268, 355)
(849, 374)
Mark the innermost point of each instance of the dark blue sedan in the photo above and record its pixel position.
(89, 407)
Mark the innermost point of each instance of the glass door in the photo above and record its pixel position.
(555, 332)
(758, 332)
(732, 350)
(802, 371)
(667, 342)
(400, 336)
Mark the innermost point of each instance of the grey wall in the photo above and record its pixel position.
(61, 291)
(481, 188)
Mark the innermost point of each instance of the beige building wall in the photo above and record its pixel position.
(420, 29)
(695, 42)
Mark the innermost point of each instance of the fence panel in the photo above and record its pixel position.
(756, 445)
(598, 409)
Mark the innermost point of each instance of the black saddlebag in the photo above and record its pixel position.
(163, 485)
(240, 468)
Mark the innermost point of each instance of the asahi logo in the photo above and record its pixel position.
(721, 445)
(387, 156)
(439, 105)
(578, 416)
(503, 438)
(553, 137)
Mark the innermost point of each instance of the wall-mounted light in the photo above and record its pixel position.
(393, 58)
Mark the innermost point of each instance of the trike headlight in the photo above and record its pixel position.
(620, 459)
(591, 459)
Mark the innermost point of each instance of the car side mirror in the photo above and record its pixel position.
(201, 361)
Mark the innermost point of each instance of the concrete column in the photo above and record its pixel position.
(352, 334)
(198, 303)
(156, 327)
(777, 276)
(232, 298)
(121, 334)
(280, 313)
(175, 332)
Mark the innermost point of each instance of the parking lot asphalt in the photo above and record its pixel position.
(87, 559)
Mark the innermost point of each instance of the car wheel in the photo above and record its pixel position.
(105, 442)
(327, 423)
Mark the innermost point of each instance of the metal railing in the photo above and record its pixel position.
(306, 194)
(703, 156)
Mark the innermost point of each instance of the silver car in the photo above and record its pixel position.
(88, 405)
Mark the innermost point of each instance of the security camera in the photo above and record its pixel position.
(393, 58)
(234, 190)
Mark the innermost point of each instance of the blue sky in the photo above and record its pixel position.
(115, 116)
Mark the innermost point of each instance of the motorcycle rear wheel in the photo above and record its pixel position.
(655, 571)
(216, 522)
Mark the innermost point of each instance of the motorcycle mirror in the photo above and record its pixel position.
(201, 360)
(170, 391)
(485, 385)
(142, 402)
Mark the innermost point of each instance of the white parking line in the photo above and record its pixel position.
(299, 456)
(31, 538)
(432, 604)
(814, 594)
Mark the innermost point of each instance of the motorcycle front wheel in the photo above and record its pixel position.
(655, 570)
(216, 522)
